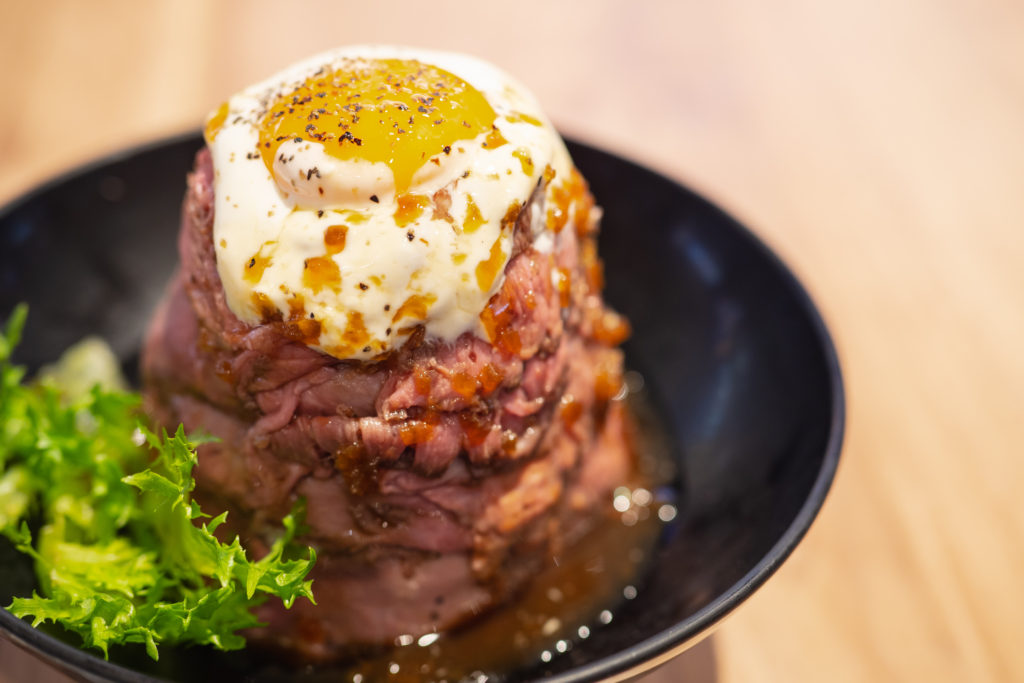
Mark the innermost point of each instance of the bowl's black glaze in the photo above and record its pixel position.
(736, 358)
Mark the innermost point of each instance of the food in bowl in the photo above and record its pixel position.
(389, 307)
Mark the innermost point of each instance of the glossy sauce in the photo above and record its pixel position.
(256, 265)
(575, 594)
(334, 239)
(410, 207)
(487, 270)
(495, 139)
(416, 306)
(497, 319)
(525, 160)
(355, 335)
(474, 219)
(320, 272)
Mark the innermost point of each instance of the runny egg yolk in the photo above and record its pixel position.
(393, 111)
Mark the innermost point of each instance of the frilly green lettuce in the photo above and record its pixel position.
(122, 552)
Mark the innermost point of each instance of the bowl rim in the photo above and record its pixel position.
(618, 666)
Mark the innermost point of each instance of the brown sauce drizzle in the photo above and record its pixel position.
(255, 266)
(508, 221)
(611, 329)
(360, 471)
(576, 593)
(508, 442)
(530, 299)
(223, 370)
(563, 283)
(464, 384)
(593, 269)
(319, 272)
(474, 219)
(421, 380)
(304, 330)
(488, 269)
(573, 191)
(410, 207)
(415, 432)
(354, 338)
(489, 378)
(334, 239)
(570, 410)
(497, 318)
(494, 139)
(416, 307)
(608, 381)
(475, 427)
(265, 307)
(525, 160)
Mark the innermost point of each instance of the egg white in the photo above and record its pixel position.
(285, 219)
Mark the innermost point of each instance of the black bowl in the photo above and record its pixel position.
(738, 365)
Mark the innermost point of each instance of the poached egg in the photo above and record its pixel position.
(369, 191)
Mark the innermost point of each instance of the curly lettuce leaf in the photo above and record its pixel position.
(122, 552)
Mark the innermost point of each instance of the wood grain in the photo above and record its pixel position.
(877, 146)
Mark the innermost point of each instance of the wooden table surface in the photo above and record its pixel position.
(877, 146)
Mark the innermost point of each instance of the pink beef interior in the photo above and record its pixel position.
(438, 479)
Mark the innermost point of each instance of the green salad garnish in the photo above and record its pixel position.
(103, 506)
